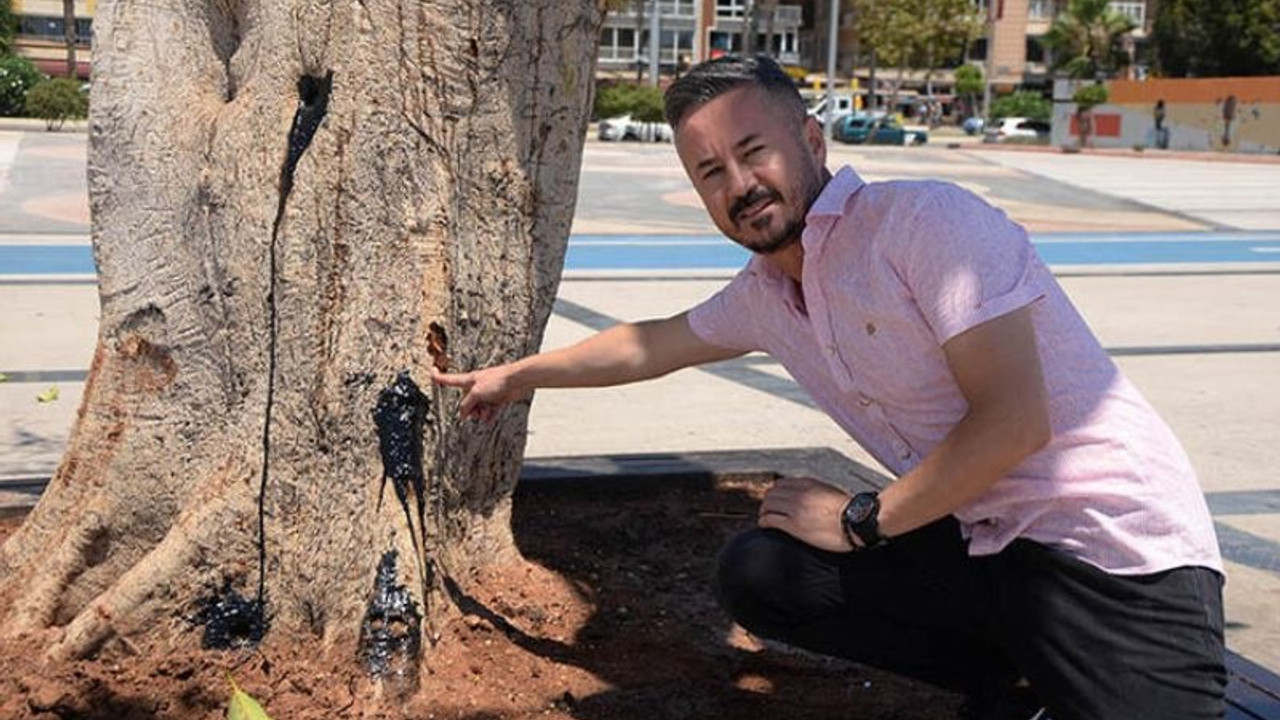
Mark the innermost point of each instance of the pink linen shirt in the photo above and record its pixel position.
(891, 272)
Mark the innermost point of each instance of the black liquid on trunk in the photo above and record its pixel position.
(391, 633)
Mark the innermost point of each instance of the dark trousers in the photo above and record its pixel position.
(1093, 645)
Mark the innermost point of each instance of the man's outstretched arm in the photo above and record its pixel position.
(622, 354)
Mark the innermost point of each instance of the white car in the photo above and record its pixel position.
(624, 128)
(1003, 129)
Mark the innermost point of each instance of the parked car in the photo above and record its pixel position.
(973, 125)
(1004, 129)
(872, 130)
(624, 128)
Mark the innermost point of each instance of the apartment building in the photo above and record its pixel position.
(1015, 38)
(41, 34)
(1011, 49)
(691, 31)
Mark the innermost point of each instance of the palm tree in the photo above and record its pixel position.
(1087, 39)
(69, 32)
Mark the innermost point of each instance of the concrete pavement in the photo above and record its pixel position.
(1201, 342)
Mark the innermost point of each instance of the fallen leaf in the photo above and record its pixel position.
(48, 396)
(4, 378)
(243, 706)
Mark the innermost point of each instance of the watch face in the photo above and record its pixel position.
(863, 505)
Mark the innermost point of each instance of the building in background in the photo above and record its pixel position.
(691, 31)
(1010, 51)
(41, 35)
(1239, 115)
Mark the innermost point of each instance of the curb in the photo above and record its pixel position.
(1205, 156)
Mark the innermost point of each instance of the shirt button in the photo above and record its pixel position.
(864, 401)
(904, 452)
(831, 348)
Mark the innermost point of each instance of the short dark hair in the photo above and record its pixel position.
(709, 80)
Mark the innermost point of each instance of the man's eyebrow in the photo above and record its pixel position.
(736, 146)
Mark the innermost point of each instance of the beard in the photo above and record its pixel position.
(792, 228)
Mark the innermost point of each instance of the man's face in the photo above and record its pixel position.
(756, 168)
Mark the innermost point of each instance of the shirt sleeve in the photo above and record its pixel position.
(964, 262)
(725, 319)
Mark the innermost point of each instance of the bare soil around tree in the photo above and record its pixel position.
(610, 617)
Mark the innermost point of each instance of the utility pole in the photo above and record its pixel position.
(655, 27)
(833, 36)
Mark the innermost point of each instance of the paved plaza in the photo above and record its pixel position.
(1200, 338)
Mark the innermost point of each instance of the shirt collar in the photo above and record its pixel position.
(831, 200)
(828, 206)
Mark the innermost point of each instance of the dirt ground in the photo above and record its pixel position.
(612, 618)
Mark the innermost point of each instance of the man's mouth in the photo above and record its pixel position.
(753, 206)
(754, 210)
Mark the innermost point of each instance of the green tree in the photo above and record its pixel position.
(17, 76)
(57, 100)
(8, 25)
(69, 36)
(1086, 98)
(915, 34)
(642, 102)
(970, 83)
(1217, 38)
(1087, 39)
(1022, 104)
(947, 27)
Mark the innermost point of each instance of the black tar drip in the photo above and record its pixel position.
(230, 620)
(391, 634)
(240, 621)
(313, 103)
(401, 413)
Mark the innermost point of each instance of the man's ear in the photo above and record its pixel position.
(815, 140)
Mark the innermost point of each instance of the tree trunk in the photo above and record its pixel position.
(297, 209)
(69, 36)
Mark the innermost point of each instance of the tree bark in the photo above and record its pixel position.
(293, 204)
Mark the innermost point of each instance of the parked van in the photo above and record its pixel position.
(843, 106)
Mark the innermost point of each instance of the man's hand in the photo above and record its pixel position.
(484, 391)
(807, 510)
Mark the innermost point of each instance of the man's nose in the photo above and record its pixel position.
(741, 180)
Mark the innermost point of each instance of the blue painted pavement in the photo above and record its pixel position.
(712, 252)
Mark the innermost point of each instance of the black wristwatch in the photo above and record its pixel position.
(861, 521)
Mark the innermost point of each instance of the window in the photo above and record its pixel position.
(1035, 50)
(674, 43)
(53, 27)
(725, 42)
(618, 44)
(1137, 11)
(731, 8)
(1040, 10)
(978, 50)
(676, 8)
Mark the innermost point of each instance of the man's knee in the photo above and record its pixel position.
(760, 580)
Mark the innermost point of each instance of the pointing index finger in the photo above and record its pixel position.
(451, 379)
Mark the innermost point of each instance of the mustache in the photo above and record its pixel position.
(754, 195)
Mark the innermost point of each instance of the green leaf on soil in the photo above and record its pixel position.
(243, 706)
(4, 378)
(48, 396)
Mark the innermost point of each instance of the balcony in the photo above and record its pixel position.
(1136, 11)
(790, 16)
(666, 9)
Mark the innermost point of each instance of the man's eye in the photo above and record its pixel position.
(710, 173)
(754, 149)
